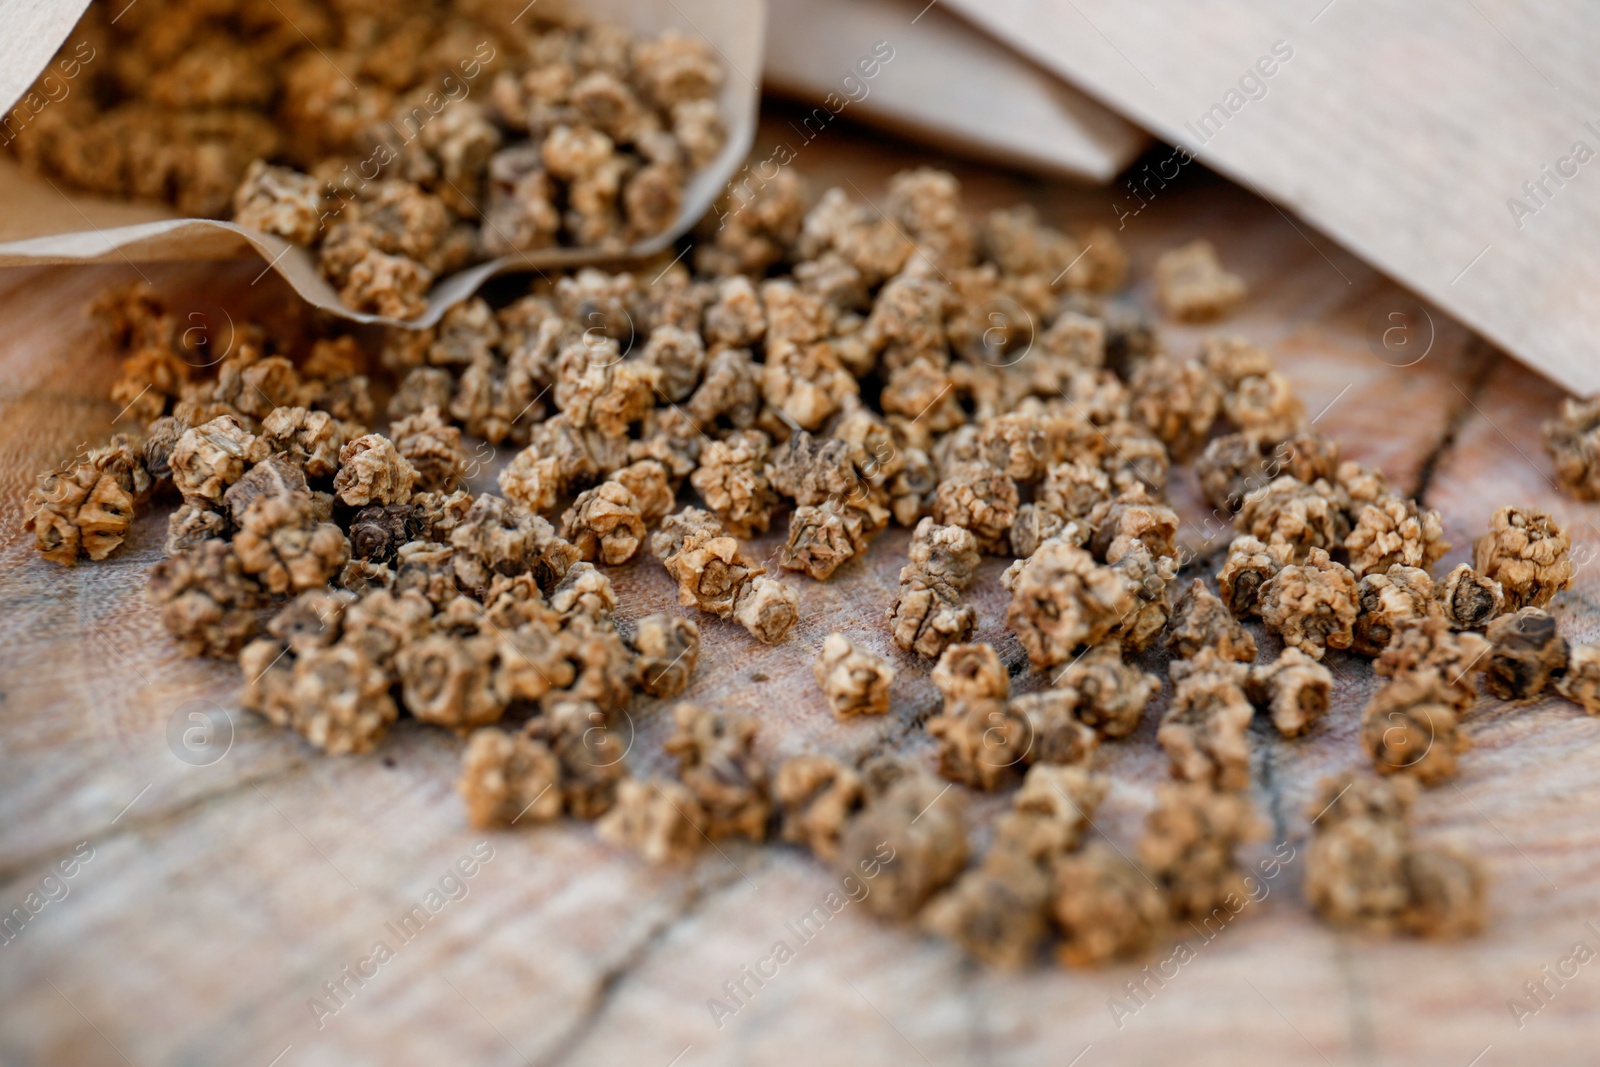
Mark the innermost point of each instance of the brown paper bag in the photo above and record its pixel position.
(43, 223)
(1454, 146)
(915, 69)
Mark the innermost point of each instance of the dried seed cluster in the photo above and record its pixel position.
(1205, 730)
(855, 681)
(400, 142)
(829, 360)
(987, 738)
(1364, 871)
(714, 575)
(927, 617)
(1573, 440)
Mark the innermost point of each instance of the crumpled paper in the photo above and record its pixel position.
(42, 222)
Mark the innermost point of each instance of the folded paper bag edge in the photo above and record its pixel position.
(739, 28)
(32, 31)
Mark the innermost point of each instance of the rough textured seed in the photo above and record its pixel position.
(658, 818)
(280, 543)
(314, 619)
(1355, 864)
(1294, 689)
(822, 537)
(979, 499)
(372, 471)
(1447, 888)
(1233, 359)
(817, 796)
(1250, 565)
(496, 537)
(1265, 407)
(1573, 440)
(911, 832)
(1410, 727)
(1033, 526)
(1313, 605)
(590, 745)
(1192, 285)
(432, 447)
(1105, 907)
(1201, 620)
(1469, 600)
(1051, 813)
(668, 649)
(209, 458)
(1133, 519)
(1075, 490)
(713, 574)
(1526, 552)
(1429, 643)
(1580, 682)
(768, 609)
(1152, 578)
(604, 524)
(1297, 516)
(732, 479)
(1178, 401)
(1364, 872)
(191, 525)
(273, 478)
(854, 681)
(1055, 735)
(336, 697)
(279, 201)
(971, 672)
(1205, 731)
(446, 679)
(87, 507)
(1393, 531)
(1526, 653)
(1230, 469)
(1111, 693)
(207, 601)
(983, 742)
(1189, 846)
(717, 765)
(1061, 599)
(926, 617)
(507, 779)
(377, 532)
(1388, 600)
(997, 911)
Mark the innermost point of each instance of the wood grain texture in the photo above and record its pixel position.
(219, 899)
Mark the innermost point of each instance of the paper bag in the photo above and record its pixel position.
(1454, 146)
(913, 68)
(41, 222)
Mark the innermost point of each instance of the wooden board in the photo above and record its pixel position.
(220, 898)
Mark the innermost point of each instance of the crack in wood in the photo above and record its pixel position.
(17, 869)
(980, 1043)
(697, 897)
(1363, 1042)
(1481, 359)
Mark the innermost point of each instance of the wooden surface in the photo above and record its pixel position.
(220, 898)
